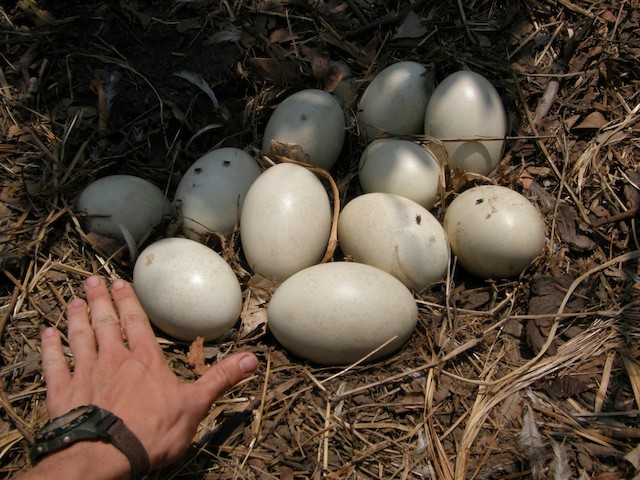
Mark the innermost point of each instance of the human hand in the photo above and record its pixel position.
(133, 381)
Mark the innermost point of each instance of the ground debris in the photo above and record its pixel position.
(553, 349)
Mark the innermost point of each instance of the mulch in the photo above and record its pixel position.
(533, 377)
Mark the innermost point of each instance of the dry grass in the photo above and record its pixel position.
(535, 377)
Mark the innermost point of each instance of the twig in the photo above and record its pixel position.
(9, 308)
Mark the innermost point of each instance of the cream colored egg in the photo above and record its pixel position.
(312, 119)
(210, 195)
(395, 101)
(285, 221)
(338, 313)
(494, 231)
(187, 289)
(122, 201)
(402, 167)
(467, 106)
(396, 235)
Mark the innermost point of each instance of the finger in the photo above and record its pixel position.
(135, 322)
(104, 318)
(225, 374)
(55, 369)
(81, 337)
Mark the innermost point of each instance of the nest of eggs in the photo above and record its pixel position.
(532, 377)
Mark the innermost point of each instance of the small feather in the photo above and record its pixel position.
(199, 82)
(531, 444)
(229, 35)
(561, 468)
(131, 243)
(110, 82)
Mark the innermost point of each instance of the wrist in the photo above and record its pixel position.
(87, 459)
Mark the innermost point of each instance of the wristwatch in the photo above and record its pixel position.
(90, 422)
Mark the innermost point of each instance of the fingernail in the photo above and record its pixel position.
(76, 302)
(248, 364)
(118, 284)
(92, 281)
(48, 332)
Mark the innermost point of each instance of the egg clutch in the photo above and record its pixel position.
(339, 312)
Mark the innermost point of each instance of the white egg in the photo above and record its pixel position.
(338, 313)
(494, 231)
(187, 289)
(314, 120)
(210, 195)
(285, 222)
(467, 106)
(122, 200)
(396, 235)
(395, 101)
(402, 167)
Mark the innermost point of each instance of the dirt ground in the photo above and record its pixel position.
(533, 377)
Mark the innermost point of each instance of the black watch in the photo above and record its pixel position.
(90, 422)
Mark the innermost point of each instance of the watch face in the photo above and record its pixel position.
(67, 419)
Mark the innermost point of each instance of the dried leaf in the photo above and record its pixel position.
(253, 318)
(593, 121)
(565, 387)
(633, 457)
(104, 244)
(196, 357)
(282, 35)
(332, 78)
(320, 66)
(275, 70)
(189, 24)
(289, 150)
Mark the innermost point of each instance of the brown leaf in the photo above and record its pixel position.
(320, 66)
(282, 35)
(289, 150)
(253, 318)
(196, 357)
(104, 244)
(332, 78)
(275, 70)
(566, 226)
(593, 121)
(564, 387)
(547, 293)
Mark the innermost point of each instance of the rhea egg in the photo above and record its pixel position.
(312, 119)
(494, 231)
(396, 235)
(402, 167)
(395, 101)
(285, 221)
(341, 312)
(466, 112)
(187, 289)
(210, 195)
(122, 202)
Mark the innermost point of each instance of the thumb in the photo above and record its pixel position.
(225, 374)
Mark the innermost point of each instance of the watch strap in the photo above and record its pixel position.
(125, 440)
(92, 423)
